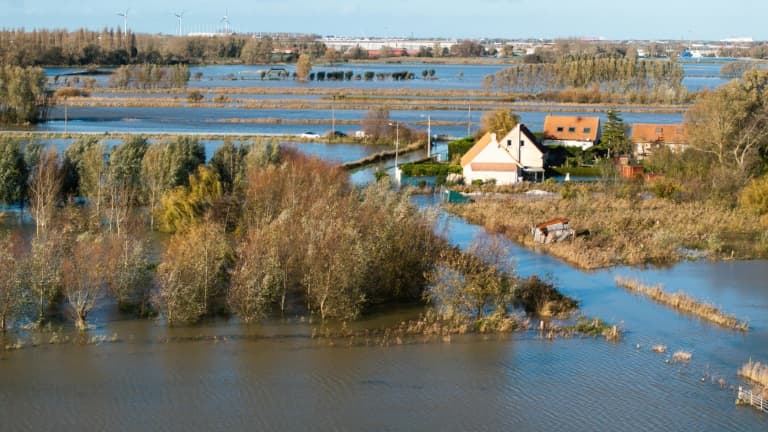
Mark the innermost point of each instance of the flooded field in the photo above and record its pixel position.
(276, 376)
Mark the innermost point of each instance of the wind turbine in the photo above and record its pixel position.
(180, 16)
(125, 21)
(225, 20)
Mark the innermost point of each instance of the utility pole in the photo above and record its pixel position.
(429, 136)
(469, 118)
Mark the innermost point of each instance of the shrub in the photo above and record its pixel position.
(754, 196)
(195, 96)
(66, 92)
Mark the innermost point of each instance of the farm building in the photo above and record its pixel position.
(553, 231)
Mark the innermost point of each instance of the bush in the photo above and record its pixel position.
(195, 97)
(663, 188)
(429, 169)
(66, 92)
(754, 196)
(457, 148)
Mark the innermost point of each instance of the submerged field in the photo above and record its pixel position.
(629, 230)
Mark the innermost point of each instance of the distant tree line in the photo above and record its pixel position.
(660, 78)
(149, 76)
(113, 47)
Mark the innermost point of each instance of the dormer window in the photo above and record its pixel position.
(571, 129)
(587, 130)
(560, 129)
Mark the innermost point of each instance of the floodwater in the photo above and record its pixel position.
(274, 376)
(220, 120)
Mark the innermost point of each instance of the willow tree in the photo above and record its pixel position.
(83, 278)
(193, 273)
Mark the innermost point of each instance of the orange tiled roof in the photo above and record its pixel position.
(659, 133)
(568, 128)
(476, 149)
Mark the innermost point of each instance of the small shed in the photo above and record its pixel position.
(553, 231)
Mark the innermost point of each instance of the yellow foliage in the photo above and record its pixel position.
(183, 207)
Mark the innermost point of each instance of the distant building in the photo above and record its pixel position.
(582, 132)
(648, 137)
(516, 157)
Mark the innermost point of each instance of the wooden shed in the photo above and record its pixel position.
(553, 231)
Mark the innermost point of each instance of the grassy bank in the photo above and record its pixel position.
(685, 303)
(382, 156)
(617, 226)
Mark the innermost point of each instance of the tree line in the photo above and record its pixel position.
(150, 76)
(115, 47)
(663, 79)
(255, 230)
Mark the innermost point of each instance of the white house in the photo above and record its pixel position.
(571, 131)
(514, 158)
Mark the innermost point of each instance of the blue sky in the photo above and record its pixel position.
(616, 19)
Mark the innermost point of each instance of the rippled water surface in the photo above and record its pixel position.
(276, 377)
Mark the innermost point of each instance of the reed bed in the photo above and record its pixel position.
(684, 303)
(755, 371)
(617, 226)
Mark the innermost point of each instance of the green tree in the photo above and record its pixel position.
(13, 172)
(614, 135)
(13, 293)
(228, 162)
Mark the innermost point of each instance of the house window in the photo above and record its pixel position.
(587, 130)
(509, 143)
(522, 143)
(659, 130)
(571, 129)
(560, 129)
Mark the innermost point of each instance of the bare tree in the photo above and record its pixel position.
(83, 279)
(45, 186)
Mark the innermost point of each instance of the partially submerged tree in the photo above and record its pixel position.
(193, 273)
(303, 67)
(83, 278)
(13, 293)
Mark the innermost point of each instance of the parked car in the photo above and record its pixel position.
(310, 135)
(335, 134)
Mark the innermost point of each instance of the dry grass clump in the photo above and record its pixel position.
(755, 371)
(682, 356)
(622, 227)
(661, 349)
(685, 303)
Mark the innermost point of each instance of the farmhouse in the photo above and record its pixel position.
(516, 157)
(582, 132)
(648, 137)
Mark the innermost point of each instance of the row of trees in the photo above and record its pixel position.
(150, 76)
(607, 74)
(256, 229)
(23, 95)
(113, 47)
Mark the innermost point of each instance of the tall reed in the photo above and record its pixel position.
(685, 303)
